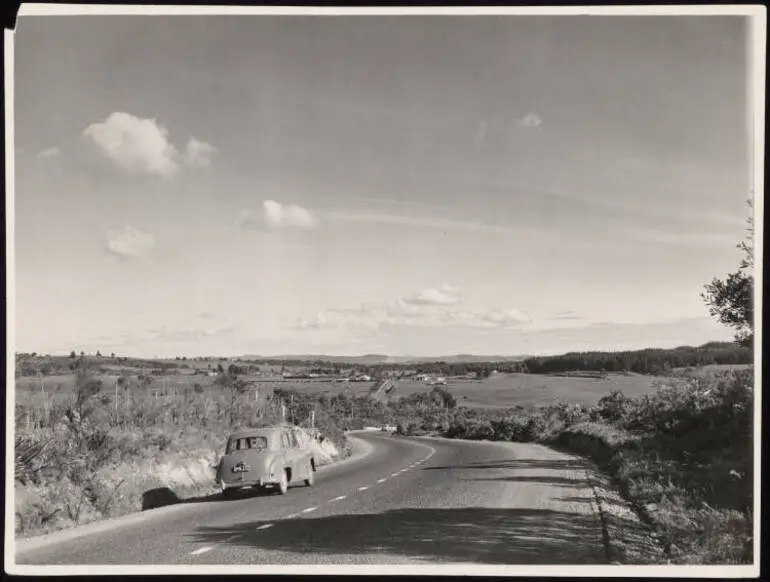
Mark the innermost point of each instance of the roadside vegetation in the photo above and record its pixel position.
(90, 450)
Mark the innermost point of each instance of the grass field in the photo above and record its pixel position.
(710, 370)
(498, 391)
(507, 390)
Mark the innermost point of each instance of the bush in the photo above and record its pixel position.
(684, 455)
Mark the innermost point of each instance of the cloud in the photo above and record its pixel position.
(287, 215)
(199, 153)
(318, 322)
(530, 120)
(444, 295)
(403, 308)
(49, 153)
(435, 307)
(129, 242)
(504, 318)
(141, 145)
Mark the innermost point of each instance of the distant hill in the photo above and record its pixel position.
(379, 359)
(646, 361)
(367, 359)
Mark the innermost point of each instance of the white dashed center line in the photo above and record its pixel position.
(292, 516)
(267, 525)
(395, 474)
(309, 509)
(363, 488)
(202, 550)
(381, 480)
(340, 498)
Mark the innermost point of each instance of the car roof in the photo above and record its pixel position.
(257, 432)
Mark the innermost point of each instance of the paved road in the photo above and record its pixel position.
(409, 501)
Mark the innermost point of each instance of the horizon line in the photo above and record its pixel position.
(321, 355)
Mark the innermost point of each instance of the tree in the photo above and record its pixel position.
(73, 355)
(731, 300)
(98, 354)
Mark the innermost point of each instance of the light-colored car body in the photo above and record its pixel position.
(264, 457)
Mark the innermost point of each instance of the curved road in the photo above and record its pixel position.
(408, 501)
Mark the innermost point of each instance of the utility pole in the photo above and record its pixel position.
(312, 418)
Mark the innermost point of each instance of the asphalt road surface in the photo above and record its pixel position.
(408, 501)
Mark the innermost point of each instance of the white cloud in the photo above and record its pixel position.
(129, 242)
(135, 144)
(287, 215)
(318, 322)
(530, 120)
(444, 295)
(142, 145)
(436, 307)
(504, 318)
(49, 153)
(403, 308)
(199, 153)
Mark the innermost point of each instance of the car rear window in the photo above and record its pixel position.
(239, 444)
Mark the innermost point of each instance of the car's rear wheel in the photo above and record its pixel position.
(283, 483)
(310, 479)
(229, 493)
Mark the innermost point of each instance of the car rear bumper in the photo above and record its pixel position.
(246, 483)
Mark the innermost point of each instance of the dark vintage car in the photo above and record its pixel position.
(264, 458)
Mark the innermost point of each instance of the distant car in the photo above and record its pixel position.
(264, 458)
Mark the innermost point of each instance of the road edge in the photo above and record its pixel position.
(628, 540)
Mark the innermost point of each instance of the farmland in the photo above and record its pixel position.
(497, 391)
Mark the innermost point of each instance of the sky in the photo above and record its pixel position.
(404, 185)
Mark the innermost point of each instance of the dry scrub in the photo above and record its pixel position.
(82, 455)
